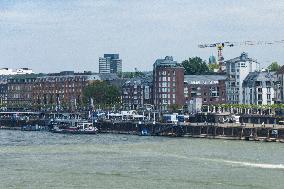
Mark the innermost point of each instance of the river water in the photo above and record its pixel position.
(46, 160)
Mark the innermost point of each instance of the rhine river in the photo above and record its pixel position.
(36, 160)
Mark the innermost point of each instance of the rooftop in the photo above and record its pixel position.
(242, 58)
(138, 81)
(252, 77)
(168, 61)
(204, 79)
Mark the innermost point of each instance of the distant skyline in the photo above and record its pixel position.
(52, 36)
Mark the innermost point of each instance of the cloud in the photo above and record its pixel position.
(57, 35)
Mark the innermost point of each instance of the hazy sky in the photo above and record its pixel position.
(56, 35)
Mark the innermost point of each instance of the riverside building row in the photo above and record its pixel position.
(242, 83)
(167, 87)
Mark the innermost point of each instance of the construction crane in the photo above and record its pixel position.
(220, 46)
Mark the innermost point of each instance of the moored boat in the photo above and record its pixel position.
(75, 127)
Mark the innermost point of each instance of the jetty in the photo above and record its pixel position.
(229, 131)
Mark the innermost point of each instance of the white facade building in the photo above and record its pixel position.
(110, 63)
(258, 88)
(104, 66)
(237, 70)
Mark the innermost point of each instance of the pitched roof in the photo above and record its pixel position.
(208, 79)
(252, 77)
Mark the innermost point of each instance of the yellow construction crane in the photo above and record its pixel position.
(220, 46)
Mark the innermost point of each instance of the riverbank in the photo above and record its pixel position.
(250, 132)
(226, 131)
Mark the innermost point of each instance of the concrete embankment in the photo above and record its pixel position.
(253, 132)
(10, 124)
(197, 130)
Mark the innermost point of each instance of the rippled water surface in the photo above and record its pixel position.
(46, 160)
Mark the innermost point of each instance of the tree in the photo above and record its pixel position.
(102, 93)
(274, 67)
(213, 67)
(194, 66)
(175, 107)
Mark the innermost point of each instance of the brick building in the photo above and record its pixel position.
(63, 89)
(168, 83)
(3, 89)
(210, 88)
(20, 91)
(137, 93)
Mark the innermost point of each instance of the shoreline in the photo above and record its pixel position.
(221, 132)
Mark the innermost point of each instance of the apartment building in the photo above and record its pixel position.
(237, 70)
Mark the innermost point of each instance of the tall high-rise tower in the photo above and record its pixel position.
(110, 63)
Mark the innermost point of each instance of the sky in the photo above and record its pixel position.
(57, 35)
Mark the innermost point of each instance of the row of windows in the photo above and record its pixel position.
(21, 96)
(19, 88)
(167, 96)
(167, 101)
(164, 73)
(63, 79)
(58, 91)
(167, 89)
(167, 84)
(167, 78)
